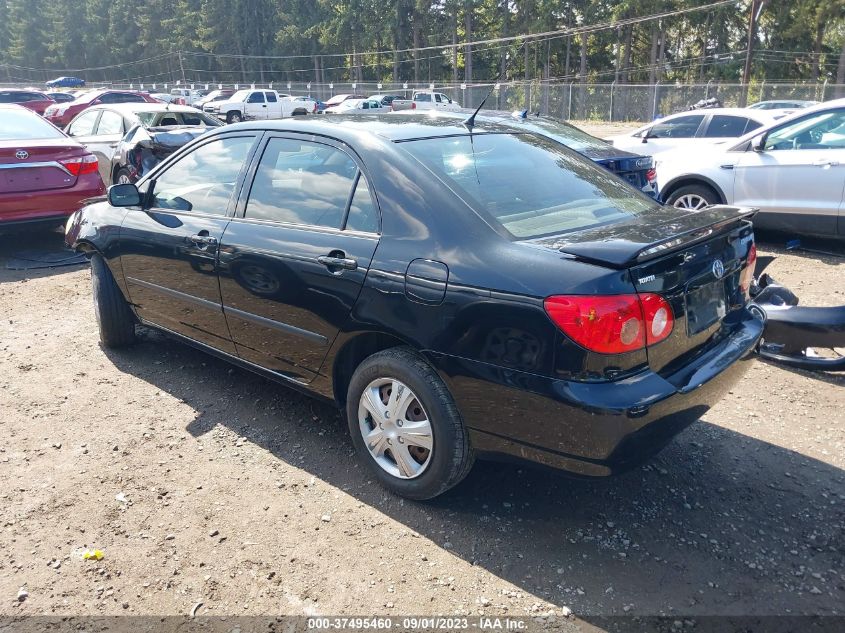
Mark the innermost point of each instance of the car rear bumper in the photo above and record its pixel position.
(592, 429)
(50, 205)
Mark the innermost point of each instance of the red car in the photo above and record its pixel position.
(32, 99)
(60, 114)
(44, 174)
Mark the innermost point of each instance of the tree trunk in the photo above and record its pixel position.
(704, 35)
(503, 62)
(396, 30)
(840, 73)
(455, 48)
(417, 27)
(568, 57)
(626, 56)
(652, 58)
(468, 48)
(582, 79)
(817, 48)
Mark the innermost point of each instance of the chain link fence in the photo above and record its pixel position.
(564, 100)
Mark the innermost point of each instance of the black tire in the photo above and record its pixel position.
(123, 172)
(451, 455)
(703, 192)
(234, 117)
(114, 316)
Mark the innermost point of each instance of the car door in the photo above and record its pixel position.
(293, 261)
(797, 180)
(274, 106)
(256, 105)
(721, 127)
(83, 126)
(671, 133)
(169, 248)
(103, 143)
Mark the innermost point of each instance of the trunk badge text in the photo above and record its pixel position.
(21, 154)
(645, 280)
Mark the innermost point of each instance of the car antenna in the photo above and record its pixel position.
(469, 123)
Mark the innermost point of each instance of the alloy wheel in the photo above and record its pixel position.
(690, 201)
(395, 428)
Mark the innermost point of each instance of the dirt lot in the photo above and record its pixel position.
(245, 496)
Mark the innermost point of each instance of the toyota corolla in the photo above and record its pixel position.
(458, 290)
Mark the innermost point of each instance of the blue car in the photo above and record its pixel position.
(66, 82)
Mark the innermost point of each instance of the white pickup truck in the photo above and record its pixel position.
(426, 100)
(256, 104)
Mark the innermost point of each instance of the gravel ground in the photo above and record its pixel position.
(201, 482)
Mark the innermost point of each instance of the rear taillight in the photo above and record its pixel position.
(651, 175)
(747, 274)
(612, 324)
(81, 166)
(413, 105)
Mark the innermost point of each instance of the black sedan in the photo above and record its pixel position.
(459, 291)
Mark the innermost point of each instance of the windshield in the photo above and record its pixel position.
(18, 125)
(167, 118)
(530, 186)
(240, 95)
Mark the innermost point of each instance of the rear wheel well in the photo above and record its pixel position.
(692, 180)
(353, 354)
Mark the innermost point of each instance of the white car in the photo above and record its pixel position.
(358, 106)
(793, 170)
(692, 129)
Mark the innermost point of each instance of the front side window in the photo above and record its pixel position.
(825, 130)
(529, 185)
(256, 97)
(363, 215)
(110, 123)
(203, 180)
(300, 182)
(681, 127)
(271, 98)
(84, 124)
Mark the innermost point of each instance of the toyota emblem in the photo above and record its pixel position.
(718, 268)
(21, 154)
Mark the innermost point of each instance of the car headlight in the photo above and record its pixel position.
(61, 110)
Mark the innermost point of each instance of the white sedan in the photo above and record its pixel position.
(358, 106)
(692, 129)
(792, 170)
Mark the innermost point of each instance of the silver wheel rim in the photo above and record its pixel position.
(395, 428)
(691, 201)
(123, 179)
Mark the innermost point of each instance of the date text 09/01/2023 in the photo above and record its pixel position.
(483, 623)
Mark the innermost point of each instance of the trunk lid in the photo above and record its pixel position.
(693, 260)
(36, 166)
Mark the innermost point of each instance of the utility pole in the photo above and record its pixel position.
(757, 7)
(182, 66)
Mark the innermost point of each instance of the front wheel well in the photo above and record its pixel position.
(673, 186)
(353, 354)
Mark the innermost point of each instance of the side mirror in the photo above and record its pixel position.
(758, 143)
(124, 195)
(645, 135)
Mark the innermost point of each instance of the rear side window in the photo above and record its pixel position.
(271, 97)
(110, 123)
(529, 185)
(682, 127)
(723, 125)
(16, 125)
(422, 97)
(363, 215)
(300, 182)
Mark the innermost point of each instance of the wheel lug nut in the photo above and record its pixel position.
(398, 422)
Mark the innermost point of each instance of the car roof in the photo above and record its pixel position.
(138, 106)
(391, 127)
(14, 106)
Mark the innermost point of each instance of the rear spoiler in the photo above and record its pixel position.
(624, 253)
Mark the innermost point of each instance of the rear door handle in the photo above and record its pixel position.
(203, 240)
(341, 263)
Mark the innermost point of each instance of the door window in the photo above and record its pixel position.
(681, 127)
(84, 124)
(110, 123)
(363, 215)
(302, 183)
(203, 180)
(437, 98)
(825, 130)
(271, 98)
(723, 125)
(256, 97)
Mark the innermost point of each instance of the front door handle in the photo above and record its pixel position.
(336, 261)
(203, 240)
(826, 162)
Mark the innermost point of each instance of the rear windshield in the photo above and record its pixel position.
(18, 125)
(166, 118)
(530, 186)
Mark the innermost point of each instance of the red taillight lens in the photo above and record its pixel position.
(81, 166)
(413, 105)
(612, 324)
(651, 175)
(747, 275)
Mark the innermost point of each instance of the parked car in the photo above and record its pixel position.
(214, 95)
(186, 96)
(61, 97)
(384, 99)
(247, 105)
(426, 100)
(692, 129)
(44, 175)
(635, 169)
(792, 170)
(163, 97)
(308, 103)
(358, 106)
(66, 82)
(783, 104)
(61, 114)
(128, 139)
(30, 99)
(459, 291)
(336, 101)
